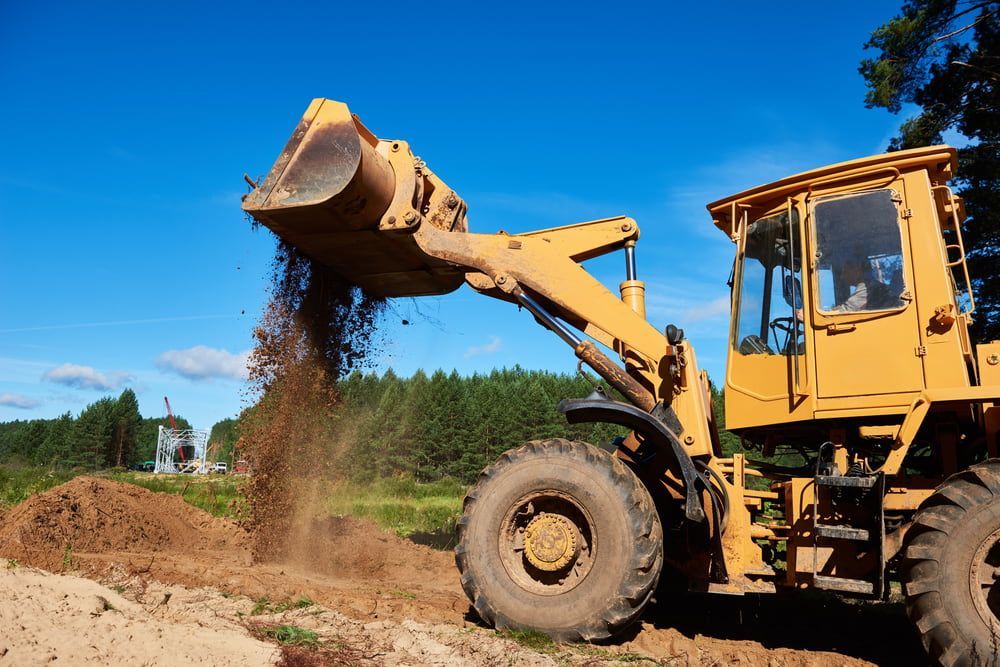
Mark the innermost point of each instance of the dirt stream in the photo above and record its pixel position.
(157, 567)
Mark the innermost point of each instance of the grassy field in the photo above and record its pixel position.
(399, 504)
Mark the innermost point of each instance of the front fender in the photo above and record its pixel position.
(652, 430)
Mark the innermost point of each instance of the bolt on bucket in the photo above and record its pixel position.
(353, 202)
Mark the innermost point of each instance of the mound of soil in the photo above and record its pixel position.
(90, 515)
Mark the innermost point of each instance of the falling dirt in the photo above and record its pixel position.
(398, 602)
(315, 328)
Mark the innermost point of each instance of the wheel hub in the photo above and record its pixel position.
(551, 542)
(984, 579)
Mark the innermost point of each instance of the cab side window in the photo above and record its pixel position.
(771, 289)
(859, 253)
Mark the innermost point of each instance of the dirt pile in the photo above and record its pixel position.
(315, 328)
(94, 515)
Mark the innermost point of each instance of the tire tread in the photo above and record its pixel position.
(635, 590)
(929, 534)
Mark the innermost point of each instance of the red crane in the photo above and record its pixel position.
(173, 425)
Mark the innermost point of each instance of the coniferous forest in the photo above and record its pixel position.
(426, 426)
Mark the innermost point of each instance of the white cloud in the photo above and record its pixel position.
(488, 348)
(201, 363)
(18, 401)
(86, 377)
(707, 311)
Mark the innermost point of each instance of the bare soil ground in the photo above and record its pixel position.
(159, 569)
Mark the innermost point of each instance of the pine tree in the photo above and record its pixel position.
(125, 429)
(57, 447)
(944, 56)
(93, 432)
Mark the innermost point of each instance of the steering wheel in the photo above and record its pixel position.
(789, 327)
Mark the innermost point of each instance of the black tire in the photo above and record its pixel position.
(607, 583)
(951, 546)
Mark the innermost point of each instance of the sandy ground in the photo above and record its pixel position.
(167, 584)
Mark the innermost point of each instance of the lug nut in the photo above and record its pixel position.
(627, 227)
(410, 217)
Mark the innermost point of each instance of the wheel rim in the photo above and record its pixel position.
(984, 580)
(547, 542)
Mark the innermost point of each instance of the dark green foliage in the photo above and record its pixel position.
(730, 442)
(124, 430)
(944, 56)
(441, 427)
(92, 434)
(447, 425)
(107, 433)
(222, 440)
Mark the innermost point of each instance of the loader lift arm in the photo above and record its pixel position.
(375, 212)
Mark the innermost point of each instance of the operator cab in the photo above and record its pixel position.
(825, 318)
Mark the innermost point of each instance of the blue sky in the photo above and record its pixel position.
(125, 130)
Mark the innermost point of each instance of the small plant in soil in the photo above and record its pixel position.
(68, 556)
(406, 595)
(290, 635)
(261, 606)
(11, 563)
(303, 602)
(536, 641)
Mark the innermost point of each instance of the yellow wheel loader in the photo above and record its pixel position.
(849, 344)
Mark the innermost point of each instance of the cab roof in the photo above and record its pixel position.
(939, 161)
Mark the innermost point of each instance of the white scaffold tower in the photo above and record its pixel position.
(170, 440)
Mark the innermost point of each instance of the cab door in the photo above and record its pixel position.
(766, 366)
(864, 321)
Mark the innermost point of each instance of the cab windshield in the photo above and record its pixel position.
(770, 290)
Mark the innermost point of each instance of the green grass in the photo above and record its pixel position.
(219, 495)
(289, 635)
(536, 641)
(18, 483)
(401, 504)
(216, 494)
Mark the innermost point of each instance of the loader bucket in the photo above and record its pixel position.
(327, 194)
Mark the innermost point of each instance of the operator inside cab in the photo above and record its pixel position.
(858, 246)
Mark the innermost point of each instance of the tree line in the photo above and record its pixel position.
(427, 426)
(450, 425)
(109, 432)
